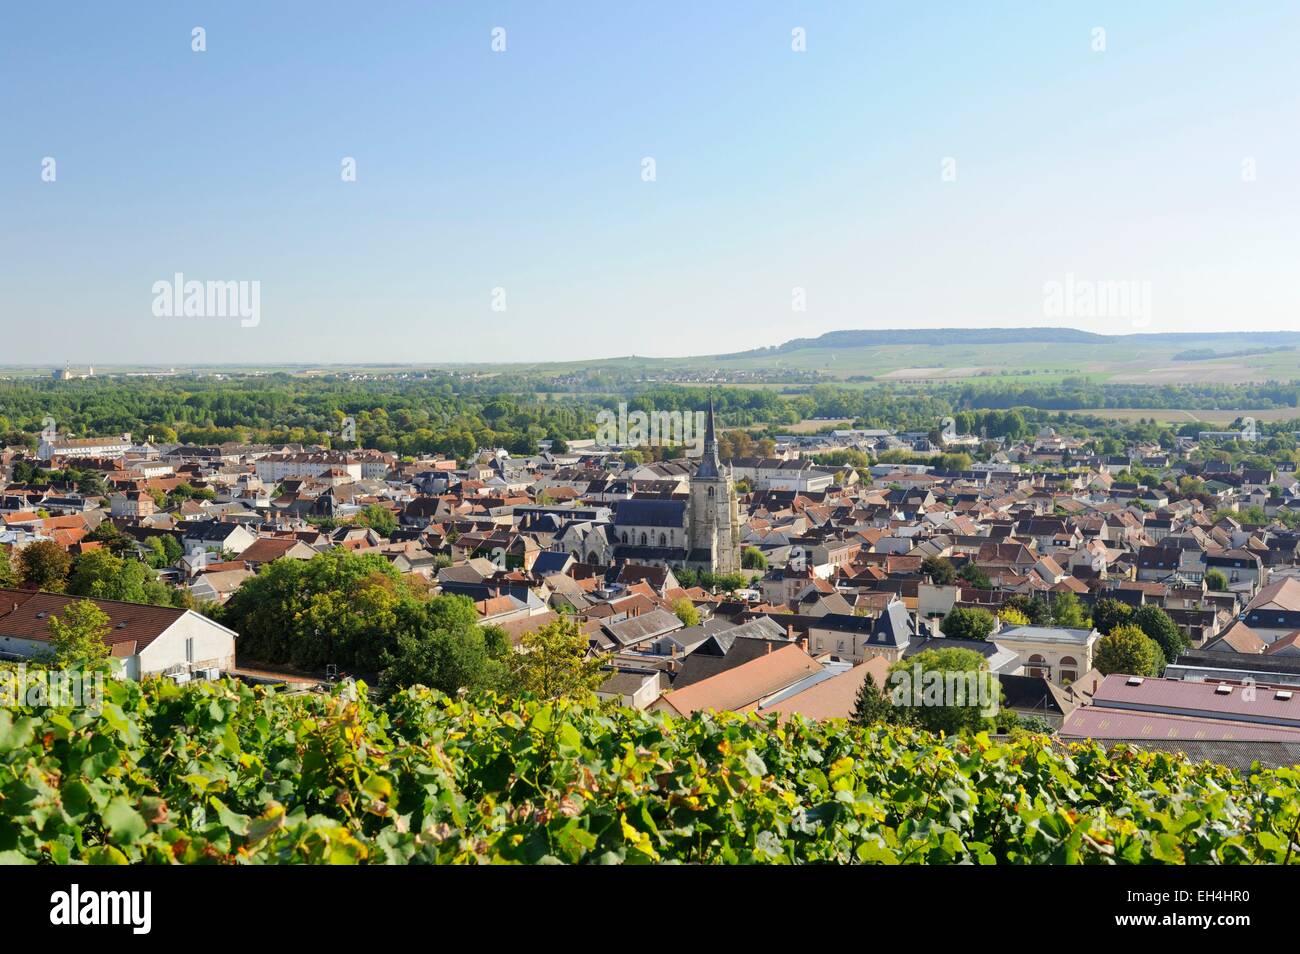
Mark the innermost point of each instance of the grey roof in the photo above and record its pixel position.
(710, 465)
(1235, 755)
(640, 628)
(637, 512)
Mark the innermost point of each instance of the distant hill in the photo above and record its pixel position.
(943, 337)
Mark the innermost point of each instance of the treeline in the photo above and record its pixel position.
(457, 415)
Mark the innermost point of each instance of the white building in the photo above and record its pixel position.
(109, 447)
(145, 640)
(1055, 654)
(274, 468)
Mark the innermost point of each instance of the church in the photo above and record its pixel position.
(700, 531)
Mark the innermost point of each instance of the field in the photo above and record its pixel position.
(1179, 417)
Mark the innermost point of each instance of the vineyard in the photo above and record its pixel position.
(223, 773)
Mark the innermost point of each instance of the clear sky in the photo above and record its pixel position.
(522, 170)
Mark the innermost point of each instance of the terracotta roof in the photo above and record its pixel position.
(739, 689)
(25, 614)
(833, 698)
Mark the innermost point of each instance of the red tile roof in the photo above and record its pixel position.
(25, 614)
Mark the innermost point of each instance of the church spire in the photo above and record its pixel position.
(710, 463)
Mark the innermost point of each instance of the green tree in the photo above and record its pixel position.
(1128, 650)
(380, 519)
(975, 577)
(338, 607)
(940, 570)
(1035, 608)
(752, 558)
(871, 705)
(944, 690)
(1109, 613)
(44, 566)
(448, 651)
(686, 612)
(8, 572)
(968, 623)
(1158, 624)
(1067, 611)
(1216, 581)
(78, 638)
(554, 663)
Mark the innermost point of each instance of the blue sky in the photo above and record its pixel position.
(522, 170)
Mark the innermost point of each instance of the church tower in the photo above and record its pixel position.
(714, 514)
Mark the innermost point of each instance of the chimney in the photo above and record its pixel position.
(769, 645)
(803, 643)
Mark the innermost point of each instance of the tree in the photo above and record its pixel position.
(338, 607)
(940, 570)
(171, 548)
(44, 566)
(8, 573)
(380, 519)
(1158, 624)
(686, 612)
(104, 575)
(448, 651)
(871, 706)
(752, 558)
(78, 638)
(1126, 650)
(944, 690)
(1067, 611)
(968, 623)
(1109, 613)
(559, 445)
(975, 577)
(554, 663)
(1215, 580)
(1012, 616)
(1035, 608)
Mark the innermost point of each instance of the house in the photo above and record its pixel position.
(742, 688)
(1137, 707)
(145, 640)
(218, 586)
(1275, 610)
(216, 536)
(266, 550)
(859, 638)
(633, 687)
(834, 697)
(1050, 652)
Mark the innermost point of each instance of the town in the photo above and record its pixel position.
(1146, 594)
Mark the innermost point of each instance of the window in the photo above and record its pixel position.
(643, 538)
(1037, 667)
(1069, 670)
(189, 649)
(663, 540)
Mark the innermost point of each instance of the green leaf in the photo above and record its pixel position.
(125, 825)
